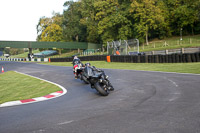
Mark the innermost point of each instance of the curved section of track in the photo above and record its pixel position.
(143, 102)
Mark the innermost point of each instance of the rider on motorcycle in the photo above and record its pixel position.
(75, 62)
(91, 72)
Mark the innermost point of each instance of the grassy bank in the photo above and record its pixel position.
(154, 45)
(165, 67)
(24, 55)
(172, 43)
(15, 86)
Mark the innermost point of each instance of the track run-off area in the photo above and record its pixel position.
(142, 102)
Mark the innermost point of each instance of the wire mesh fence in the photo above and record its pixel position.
(123, 47)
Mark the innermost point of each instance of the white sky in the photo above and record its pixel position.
(19, 18)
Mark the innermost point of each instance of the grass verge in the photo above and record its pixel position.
(23, 55)
(15, 86)
(165, 67)
(172, 43)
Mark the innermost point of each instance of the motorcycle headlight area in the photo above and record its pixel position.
(106, 77)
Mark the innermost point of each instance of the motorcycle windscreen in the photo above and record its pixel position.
(76, 61)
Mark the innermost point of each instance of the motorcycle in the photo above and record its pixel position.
(98, 79)
(79, 71)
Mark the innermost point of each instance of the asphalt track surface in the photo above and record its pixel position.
(143, 102)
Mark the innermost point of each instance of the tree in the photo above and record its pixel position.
(42, 25)
(99, 21)
(147, 16)
(72, 28)
(112, 23)
(53, 33)
(163, 29)
(183, 14)
(88, 12)
(50, 29)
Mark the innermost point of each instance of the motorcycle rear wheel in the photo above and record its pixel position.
(100, 89)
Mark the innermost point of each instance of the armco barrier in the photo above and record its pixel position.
(82, 58)
(173, 58)
(25, 59)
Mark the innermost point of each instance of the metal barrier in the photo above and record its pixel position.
(173, 51)
(171, 58)
(26, 59)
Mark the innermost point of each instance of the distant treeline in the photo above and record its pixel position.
(99, 21)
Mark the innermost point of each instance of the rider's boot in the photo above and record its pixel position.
(76, 76)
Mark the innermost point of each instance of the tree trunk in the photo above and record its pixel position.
(147, 42)
(77, 38)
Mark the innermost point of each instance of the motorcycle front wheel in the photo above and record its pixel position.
(85, 80)
(100, 88)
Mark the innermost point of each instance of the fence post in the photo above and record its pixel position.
(182, 50)
(166, 51)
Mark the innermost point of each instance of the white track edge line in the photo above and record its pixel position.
(64, 92)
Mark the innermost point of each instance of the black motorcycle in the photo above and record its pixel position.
(98, 79)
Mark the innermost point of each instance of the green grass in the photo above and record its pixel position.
(165, 67)
(154, 45)
(24, 55)
(63, 55)
(15, 86)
